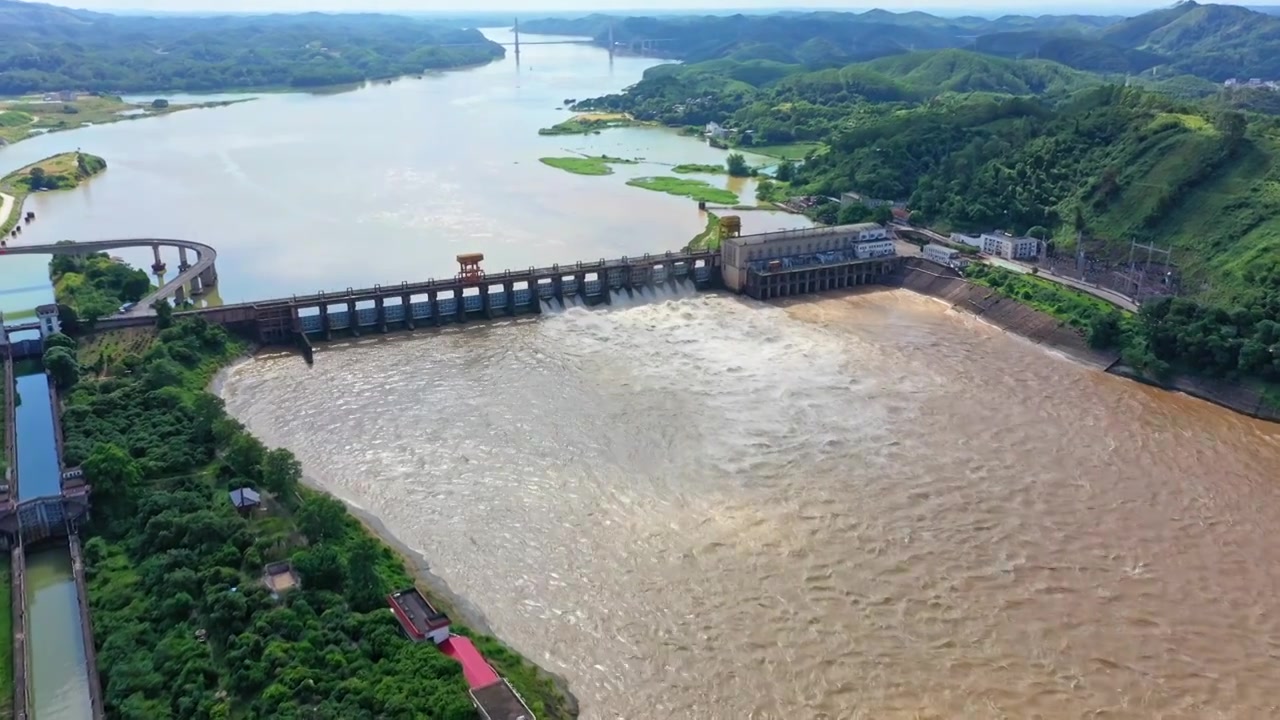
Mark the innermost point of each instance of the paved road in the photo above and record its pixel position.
(6, 207)
(1110, 296)
(205, 257)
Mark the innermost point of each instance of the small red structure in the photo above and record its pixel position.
(475, 669)
(469, 270)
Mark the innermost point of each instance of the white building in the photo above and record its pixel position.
(47, 315)
(716, 131)
(970, 240)
(944, 255)
(1010, 247)
(737, 253)
(867, 231)
(873, 249)
(855, 198)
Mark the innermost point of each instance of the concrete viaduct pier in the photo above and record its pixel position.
(192, 279)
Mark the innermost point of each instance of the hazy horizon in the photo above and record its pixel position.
(532, 9)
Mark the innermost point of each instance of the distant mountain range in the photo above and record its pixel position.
(1215, 42)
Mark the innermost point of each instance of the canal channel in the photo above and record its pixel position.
(57, 675)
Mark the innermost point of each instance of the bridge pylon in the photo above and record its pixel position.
(516, 27)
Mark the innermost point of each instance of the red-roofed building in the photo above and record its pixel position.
(419, 618)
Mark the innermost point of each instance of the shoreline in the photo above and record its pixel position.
(16, 198)
(453, 604)
(1046, 331)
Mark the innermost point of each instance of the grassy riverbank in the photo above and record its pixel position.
(789, 151)
(183, 623)
(31, 115)
(684, 187)
(709, 238)
(587, 164)
(56, 172)
(586, 123)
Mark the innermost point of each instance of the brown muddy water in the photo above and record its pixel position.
(850, 507)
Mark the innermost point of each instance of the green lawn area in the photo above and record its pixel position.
(6, 639)
(687, 168)
(586, 165)
(695, 189)
(790, 151)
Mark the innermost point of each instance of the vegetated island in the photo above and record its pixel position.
(45, 48)
(183, 622)
(31, 115)
(587, 123)
(685, 187)
(56, 172)
(586, 164)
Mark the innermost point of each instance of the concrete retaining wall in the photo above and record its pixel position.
(945, 284)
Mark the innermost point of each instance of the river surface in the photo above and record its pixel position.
(58, 671)
(301, 192)
(859, 506)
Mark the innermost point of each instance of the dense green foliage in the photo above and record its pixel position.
(586, 165)
(94, 286)
(1054, 151)
(1210, 41)
(686, 187)
(44, 48)
(185, 626)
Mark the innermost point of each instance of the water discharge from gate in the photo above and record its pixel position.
(860, 506)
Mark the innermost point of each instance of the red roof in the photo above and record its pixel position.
(478, 673)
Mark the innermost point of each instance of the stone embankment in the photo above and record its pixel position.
(945, 284)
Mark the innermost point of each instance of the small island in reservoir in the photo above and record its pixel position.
(586, 123)
(586, 165)
(57, 172)
(686, 187)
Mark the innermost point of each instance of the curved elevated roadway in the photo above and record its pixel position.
(206, 256)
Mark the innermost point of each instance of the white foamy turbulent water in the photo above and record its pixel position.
(858, 506)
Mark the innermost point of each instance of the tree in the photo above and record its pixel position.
(111, 471)
(737, 165)
(882, 214)
(37, 179)
(786, 171)
(853, 213)
(320, 567)
(159, 103)
(164, 314)
(281, 472)
(1232, 125)
(244, 454)
(322, 518)
(365, 590)
(63, 366)
(60, 340)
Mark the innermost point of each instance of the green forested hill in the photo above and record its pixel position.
(49, 48)
(1214, 42)
(962, 71)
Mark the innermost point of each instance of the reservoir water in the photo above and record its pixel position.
(307, 192)
(854, 506)
(38, 473)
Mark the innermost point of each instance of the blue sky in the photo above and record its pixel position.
(529, 8)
